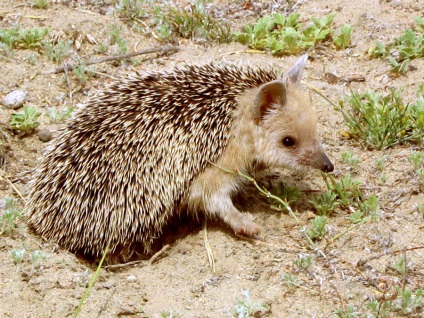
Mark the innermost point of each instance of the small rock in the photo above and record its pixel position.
(45, 135)
(131, 278)
(15, 99)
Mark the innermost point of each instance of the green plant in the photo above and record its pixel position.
(380, 309)
(9, 37)
(25, 122)
(284, 35)
(383, 121)
(37, 257)
(169, 314)
(417, 160)
(304, 261)
(407, 46)
(58, 52)
(288, 194)
(56, 116)
(245, 308)
(117, 39)
(318, 228)
(343, 39)
(17, 255)
(325, 203)
(291, 281)
(196, 22)
(349, 312)
(408, 302)
(350, 159)
(32, 38)
(401, 266)
(40, 4)
(9, 217)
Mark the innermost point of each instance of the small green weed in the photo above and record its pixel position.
(343, 39)
(291, 281)
(17, 255)
(57, 117)
(196, 22)
(83, 73)
(350, 159)
(304, 261)
(169, 314)
(380, 309)
(383, 121)
(288, 194)
(116, 38)
(9, 216)
(400, 266)
(58, 52)
(325, 203)
(349, 312)
(417, 160)
(318, 229)
(286, 35)
(25, 122)
(406, 47)
(245, 308)
(408, 302)
(40, 4)
(9, 37)
(37, 257)
(31, 39)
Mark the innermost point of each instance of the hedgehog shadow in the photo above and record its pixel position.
(184, 224)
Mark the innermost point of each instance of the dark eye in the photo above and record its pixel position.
(288, 141)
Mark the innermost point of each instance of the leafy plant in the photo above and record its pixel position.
(9, 36)
(343, 39)
(383, 121)
(32, 38)
(25, 122)
(409, 302)
(304, 261)
(350, 159)
(17, 255)
(245, 308)
(325, 203)
(56, 116)
(318, 228)
(40, 4)
(291, 281)
(406, 47)
(9, 216)
(417, 160)
(289, 194)
(58, 52)
(196, 22)
(349, 312)
(284, 35)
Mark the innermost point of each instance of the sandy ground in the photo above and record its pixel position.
(181, 282)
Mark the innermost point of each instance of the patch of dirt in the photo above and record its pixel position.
(181, 281)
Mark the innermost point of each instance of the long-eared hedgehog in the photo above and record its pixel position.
(153, 143)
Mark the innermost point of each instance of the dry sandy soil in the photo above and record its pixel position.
(181, 283)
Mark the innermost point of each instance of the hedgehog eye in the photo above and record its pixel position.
(289, 141)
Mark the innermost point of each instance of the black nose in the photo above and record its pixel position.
(328, 167)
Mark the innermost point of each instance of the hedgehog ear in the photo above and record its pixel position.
(294, 75)
(269, 95)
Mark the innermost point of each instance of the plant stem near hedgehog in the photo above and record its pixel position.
(151, 145)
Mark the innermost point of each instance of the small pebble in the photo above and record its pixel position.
(131, 278)
(15, 99)
(45, 135)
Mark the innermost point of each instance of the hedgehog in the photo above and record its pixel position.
(154, 144)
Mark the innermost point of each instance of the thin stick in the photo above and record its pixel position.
(155, 257)
(65, 69)
(208, 247)
(4, 177)
(364, 261)
(159, 49)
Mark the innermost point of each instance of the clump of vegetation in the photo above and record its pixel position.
(318, 228)
(58, 52)
(24, 123)
(40, 4)
(15, 38)
(288, 194)
(383, 121)
(8, 219)
(57, 117)
(406, 47)
(245, 308)
(417, 161)
(286, 35)
(163, 21)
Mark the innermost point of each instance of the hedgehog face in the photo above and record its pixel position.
(284, 113)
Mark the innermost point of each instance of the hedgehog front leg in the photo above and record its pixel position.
(211, 193)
